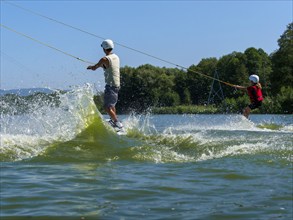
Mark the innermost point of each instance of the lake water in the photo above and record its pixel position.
(64, 163)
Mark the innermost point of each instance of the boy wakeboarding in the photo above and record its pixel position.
(111, 65)
(255, 94)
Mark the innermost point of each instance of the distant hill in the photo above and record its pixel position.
(25, 92)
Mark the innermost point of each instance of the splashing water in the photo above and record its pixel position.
(29, 134)
(75, 126)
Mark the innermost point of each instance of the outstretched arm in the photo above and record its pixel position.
(239, 87)
(103, 62)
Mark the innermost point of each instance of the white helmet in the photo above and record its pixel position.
(107, 44)
(254, 78)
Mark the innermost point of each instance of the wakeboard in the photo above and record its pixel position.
(119, 131)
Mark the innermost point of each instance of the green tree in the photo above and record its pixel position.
(207, 66)
(232, 68)
(197, 85)
(181, 87)
(282, 61)
(285, 99)
(258, 62)
(164, 90)
(147, 86)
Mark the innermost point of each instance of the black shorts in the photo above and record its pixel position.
(110, 96)
(255, 105)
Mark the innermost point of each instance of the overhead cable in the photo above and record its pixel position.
(122, 45)
(45, 44)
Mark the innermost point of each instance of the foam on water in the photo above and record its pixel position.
(209, 137)
(75, 130)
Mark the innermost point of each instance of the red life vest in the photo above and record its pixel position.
(255, 94)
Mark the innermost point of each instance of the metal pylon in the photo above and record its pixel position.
(216, 90)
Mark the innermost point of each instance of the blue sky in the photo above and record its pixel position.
(182, 32)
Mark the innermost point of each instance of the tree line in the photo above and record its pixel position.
(149, 87)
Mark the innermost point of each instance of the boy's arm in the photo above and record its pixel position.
(240, 87)
(103, 62)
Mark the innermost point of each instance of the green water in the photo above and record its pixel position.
(65, 163)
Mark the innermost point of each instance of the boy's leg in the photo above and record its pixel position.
(112, 113)
(246, 111)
